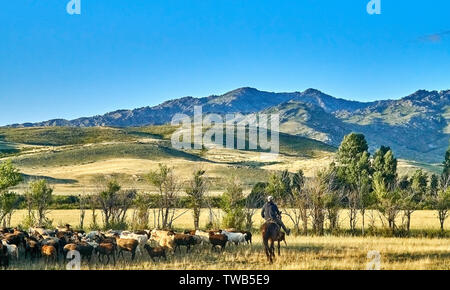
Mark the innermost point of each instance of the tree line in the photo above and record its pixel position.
(359, 182)
(365, 185)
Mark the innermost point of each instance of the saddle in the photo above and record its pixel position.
(272, 221)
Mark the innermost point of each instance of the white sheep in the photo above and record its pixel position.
(235, 238)
(203, 236)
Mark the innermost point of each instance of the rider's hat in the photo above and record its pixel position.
(269, 198)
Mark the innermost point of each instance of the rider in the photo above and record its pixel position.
(270, 212)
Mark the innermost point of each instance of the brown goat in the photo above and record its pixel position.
(189, 232)
(106, 249)
(84, 249)
(128, 245)
(157, 252)
(184, 240)
(217, 240)
(48, 252)
(32, 248)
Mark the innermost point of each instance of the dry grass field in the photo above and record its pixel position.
(313, 253)
(301, 252)
(130, 172)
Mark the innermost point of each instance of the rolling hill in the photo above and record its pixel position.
(416, 126)
(74, 159)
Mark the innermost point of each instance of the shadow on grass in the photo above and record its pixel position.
(49, 179)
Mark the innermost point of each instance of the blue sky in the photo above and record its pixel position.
(133, 53)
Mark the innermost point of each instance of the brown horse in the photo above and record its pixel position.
(281, 238)
(270, 233)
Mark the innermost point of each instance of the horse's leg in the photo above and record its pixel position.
(272, 250)
(266, 248)
(278, 248)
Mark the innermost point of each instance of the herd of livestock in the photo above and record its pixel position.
(54, 245)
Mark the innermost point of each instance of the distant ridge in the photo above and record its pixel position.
(243, 100)
(415, 126)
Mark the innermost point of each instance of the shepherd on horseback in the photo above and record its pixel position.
(270, 212)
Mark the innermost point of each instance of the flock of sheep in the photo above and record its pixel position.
(50, 245)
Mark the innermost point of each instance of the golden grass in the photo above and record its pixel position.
(420, 220)
(312, 253)
(302, 252)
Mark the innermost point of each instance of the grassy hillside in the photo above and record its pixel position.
(59, 136)
(98, 152)
(74, 159)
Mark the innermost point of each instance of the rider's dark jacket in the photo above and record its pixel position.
(270, 211)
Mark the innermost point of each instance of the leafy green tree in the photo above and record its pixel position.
(354, 172)
(114, 204)
(434, 185)
(277, 187)
(412, 197)
(441, 203)
(9, 201)
(351, 149)
(441, 200)
(253, 202)
(332, 206)
(258, 194)
(446, 163)
(387, 189)
(286, 180)
(363, 186)
(388, 197)
(39, 196)
(233, 204)
(404, 183)
(107, 200)
(298, 180)
(196, 190)
(385, 163)
(9, 175)
(419, 182)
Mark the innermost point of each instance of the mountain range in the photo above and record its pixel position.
(416, 127)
